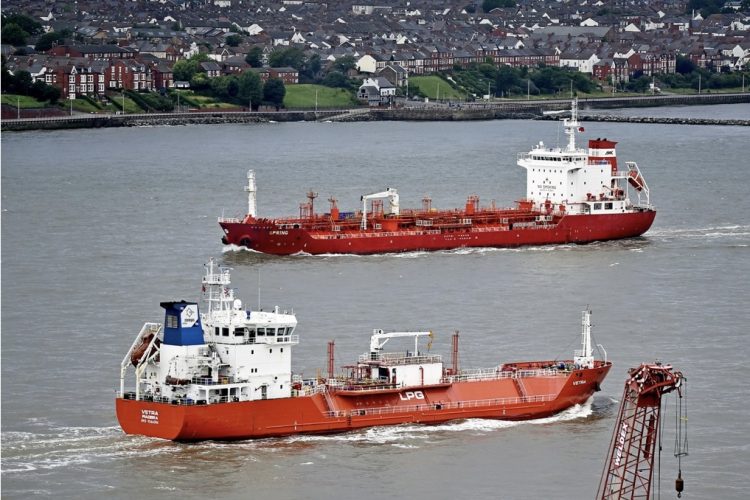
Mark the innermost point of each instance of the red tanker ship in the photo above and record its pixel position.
(226, 374)
(572, 196)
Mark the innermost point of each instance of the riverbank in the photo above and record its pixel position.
(409, 111)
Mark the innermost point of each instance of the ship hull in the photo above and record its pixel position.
(339, 411)
(265, 236)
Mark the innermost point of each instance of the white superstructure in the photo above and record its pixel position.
(581, 181)
(228, 353)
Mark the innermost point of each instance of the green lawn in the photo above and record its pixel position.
(24, 101)
(303, 96)
(435, 87)
(130, 105)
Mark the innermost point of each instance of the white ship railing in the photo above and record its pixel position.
(400, 358)
(230, 220)
(479, 403)
(494, 374)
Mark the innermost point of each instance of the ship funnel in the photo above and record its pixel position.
(182, 324)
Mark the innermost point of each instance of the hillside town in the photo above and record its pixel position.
(96, 47)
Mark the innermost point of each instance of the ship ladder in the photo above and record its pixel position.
(329, 403)
(520, 387)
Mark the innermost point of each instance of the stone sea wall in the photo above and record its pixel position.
(409, 111)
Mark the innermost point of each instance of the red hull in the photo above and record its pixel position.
(502, 398)
(265, 235)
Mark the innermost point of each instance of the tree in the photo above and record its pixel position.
(27, 25)
(255, 57)
(335, 79)
(488, 5)
(274, 92)
(250, 89)
(185, 69)
(344, 64)
(46, 41)
(234, 40)
(290, 56)
(199, 81)
(311, 68)
(13, 34)
(684, 65)
(23, 82)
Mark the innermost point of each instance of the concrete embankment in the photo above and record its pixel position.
(153, 119)
(413, 111)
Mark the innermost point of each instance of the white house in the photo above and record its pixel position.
(366, 64)
(582, 61)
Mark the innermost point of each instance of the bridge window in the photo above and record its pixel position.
(607, 206)
(597, 206)
(261, 332)
(171, 321)
(225, 332)
(239, 332)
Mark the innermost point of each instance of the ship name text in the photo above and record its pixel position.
(149, 417)
(409, 395)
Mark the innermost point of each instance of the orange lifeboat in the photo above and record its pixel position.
(635, 180)
(140, 351)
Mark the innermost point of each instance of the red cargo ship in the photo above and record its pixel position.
(226, 374)
(572, 196)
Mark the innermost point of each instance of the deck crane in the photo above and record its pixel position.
(393, 206)
(629, 468)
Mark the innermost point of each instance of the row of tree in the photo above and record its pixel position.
(23, 84)
(486, 78)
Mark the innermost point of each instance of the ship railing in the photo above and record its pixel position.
(230, 220)
(273, 339)
(493, 374)
(439, 405)
(384, 234)
(369, 388)
(401, 358)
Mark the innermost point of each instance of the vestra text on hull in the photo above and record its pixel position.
(226, 374)
(573, 195)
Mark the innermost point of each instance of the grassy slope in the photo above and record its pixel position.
(303, 96)
(430, 85)
(25, 101)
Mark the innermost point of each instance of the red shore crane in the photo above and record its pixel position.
(629, 469)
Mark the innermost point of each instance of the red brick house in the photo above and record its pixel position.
(129, 74)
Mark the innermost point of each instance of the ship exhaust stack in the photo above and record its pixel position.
(454, 353)
(252, 204)
(182, 324)
(331, 350)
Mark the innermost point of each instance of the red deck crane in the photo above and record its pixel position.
(629, 468)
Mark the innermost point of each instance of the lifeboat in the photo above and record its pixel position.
(635, 180)
(140, 351)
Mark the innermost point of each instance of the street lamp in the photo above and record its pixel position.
(123, 102)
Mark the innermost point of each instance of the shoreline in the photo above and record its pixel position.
(413, 111)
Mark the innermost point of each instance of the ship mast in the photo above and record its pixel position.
(216, 291)
(572, 125)
(252, 209)
(584, 357)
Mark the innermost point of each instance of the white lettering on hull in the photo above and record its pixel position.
(149, 417)
(409, 395)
